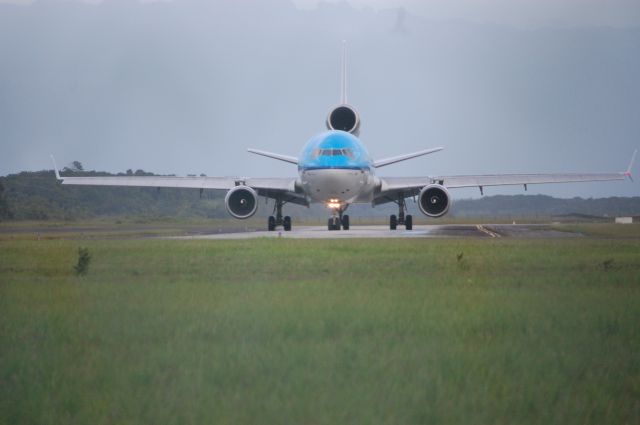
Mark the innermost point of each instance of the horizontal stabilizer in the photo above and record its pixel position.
(285, 158)
(393, 160)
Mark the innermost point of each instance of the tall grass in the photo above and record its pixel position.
(346, 331)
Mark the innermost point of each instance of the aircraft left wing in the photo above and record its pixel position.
(453, 182)
(391, 187)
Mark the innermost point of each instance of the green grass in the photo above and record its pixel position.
(119, 228)
(603, 230)
(321, 332)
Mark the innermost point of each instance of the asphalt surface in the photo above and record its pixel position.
(298, 232)
(421, 231)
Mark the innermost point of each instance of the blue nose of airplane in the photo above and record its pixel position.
(334, 149)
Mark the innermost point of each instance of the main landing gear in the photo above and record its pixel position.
(278, 220)
(401, 218)
(338, 219)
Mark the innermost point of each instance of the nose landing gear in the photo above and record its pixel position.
(338, 219)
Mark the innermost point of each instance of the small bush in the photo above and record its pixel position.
(462, 263)
(84, 258)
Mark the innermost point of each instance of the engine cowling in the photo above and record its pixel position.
(241, 202)
(344, 118)
(434, 200)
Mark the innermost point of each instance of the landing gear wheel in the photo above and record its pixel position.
(271, 223)
(333, 223)
(345, 222)
(286, 223)
(408, 222)
(393, 222)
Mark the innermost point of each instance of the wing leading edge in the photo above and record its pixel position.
(282, 188)
(410, 186)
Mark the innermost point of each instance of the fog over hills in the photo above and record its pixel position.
(185, 86)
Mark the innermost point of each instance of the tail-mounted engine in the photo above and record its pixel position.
(434, 200)
(344, 118)
(241, 202)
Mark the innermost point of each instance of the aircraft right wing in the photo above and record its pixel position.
(153, 181)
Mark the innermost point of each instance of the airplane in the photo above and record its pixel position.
(334, 168)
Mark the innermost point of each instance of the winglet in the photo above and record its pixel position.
(343, 79)
(55, 167)
(631, 163)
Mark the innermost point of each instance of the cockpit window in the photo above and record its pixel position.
(333, 152)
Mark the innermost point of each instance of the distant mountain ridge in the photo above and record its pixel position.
(38, 196)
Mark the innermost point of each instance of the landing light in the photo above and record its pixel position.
(333, 204)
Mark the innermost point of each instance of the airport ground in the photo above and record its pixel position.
(510, 329)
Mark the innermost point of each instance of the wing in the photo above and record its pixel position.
(393, 187)
(524, 179)
(153, 181)
(279, 188)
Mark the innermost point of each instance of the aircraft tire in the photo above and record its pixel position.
(408, 222)
(345, 222)
(286, 223)
(271, 223)
(393, 222)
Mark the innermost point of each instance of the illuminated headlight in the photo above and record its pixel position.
(333, 204)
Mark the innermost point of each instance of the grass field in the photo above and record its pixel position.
(321, 332)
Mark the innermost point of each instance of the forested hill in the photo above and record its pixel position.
(541, 205)
(38, 196)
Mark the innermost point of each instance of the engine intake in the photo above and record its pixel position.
(434, 200)
(241, 202)
(344, 118)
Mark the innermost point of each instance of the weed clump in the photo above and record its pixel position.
(462, 263)
(84, 258)
(607, 264)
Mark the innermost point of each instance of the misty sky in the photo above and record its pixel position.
(185, 86)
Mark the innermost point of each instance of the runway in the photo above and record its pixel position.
(419, 231)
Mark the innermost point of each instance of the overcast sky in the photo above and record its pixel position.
(520, 13)
(185, 86)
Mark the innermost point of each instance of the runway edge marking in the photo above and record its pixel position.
(486, 231)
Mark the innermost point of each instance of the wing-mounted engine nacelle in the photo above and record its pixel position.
(434, 200)
(241, 202)
(344, 118)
